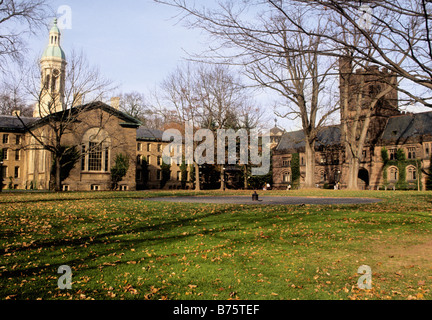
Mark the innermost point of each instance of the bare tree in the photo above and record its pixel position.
(12, 101)
(17, 19)
(224, 102)
(136, 105)
(179, 104)
(205, 97)
(395, 35)
(83, 86)
(274, 53)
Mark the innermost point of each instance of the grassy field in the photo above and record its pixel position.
(120, 246)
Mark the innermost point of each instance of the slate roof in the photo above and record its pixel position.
(149, 134)
(403, 128)
(13, 124)
(330, 135)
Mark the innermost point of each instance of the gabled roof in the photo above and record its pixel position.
(13, 124)
(403, 128)
(295, 140)
(128, 120)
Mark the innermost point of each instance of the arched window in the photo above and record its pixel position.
(411, 173)
(95, 151)
(323, 176)
(286, 177)
(393, 174)
(47, 82)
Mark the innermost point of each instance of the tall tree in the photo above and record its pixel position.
(179, 104)
(204, 97)
(274, 53)
(394, 34)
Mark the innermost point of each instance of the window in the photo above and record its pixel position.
(159, 161)
(83, 158)
(427, 149)
(95, 157)
(4, 172)
(148, 159)
(139, 147)
(178, 175)
(159, 148)
(95, 151)
(286, 162)
(148, 147)
(95, 187)
(286, 177)
(65, 187)
(393, 174)
(5, 139)
(323, 158)
(17, 139)
(392, 154)
(124, 188)
(159, 175)
(412, 173)
(17, 155)
(411, 153)
(323, 176)
(5, 154)
(364, 155)
(17, 173)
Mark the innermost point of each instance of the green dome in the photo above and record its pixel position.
(54, 51)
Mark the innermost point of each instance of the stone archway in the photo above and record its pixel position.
(363, 179)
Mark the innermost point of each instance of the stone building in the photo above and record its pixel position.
(99, 131)
(397, 147)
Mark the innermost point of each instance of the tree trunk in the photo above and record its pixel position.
(353, 172)
(57, 187)
(245, 177)
(222, 178)
(197, 177)
(310, 165)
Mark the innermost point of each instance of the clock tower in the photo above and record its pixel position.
(53, 73)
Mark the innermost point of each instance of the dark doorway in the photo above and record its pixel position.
(363, 182)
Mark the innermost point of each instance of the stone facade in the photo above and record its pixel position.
(389, 129)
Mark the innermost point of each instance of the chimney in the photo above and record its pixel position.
(16, 113)
(115, 102)
(78, 100)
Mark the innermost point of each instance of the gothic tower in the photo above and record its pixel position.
(359, 87)
(53, 73)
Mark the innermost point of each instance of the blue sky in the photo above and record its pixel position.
(135, 43)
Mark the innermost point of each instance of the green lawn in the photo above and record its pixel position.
(122, 247)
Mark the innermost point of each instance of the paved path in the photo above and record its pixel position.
(266, 200)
